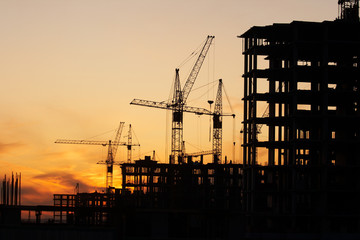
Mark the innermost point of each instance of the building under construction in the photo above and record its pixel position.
(306, 75)
(188, 200)
(300, 173)
(156, 201)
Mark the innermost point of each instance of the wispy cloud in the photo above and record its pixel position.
(31, 195)
(40, 188)
(8, 147)
(63, 180)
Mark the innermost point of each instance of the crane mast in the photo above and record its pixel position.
(177, 122)
(111, 156)
(129, 145)
(217, 126)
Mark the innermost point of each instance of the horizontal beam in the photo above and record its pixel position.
(88, 142)
(164, 105)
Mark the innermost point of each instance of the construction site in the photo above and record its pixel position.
(298, 177)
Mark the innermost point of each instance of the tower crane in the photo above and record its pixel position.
(130, 144)
(217, 125)
(112, 149)
(178, 104)
(217, 128)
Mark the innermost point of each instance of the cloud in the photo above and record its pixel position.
(39, 189)
(31, 195)
(59, 154)
(63, 180)
(8, 147)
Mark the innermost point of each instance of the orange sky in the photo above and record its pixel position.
(69, 69)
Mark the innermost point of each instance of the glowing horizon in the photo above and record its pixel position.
(70, 70)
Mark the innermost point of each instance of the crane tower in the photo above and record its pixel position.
(112, 149)
(178, 104)
(217, 126)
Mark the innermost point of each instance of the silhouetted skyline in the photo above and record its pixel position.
(70, 69)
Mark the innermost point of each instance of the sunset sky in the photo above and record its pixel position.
(69, 69)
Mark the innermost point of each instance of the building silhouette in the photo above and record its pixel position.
(302, 173)
(301, 159)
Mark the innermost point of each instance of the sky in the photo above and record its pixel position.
(69, 70)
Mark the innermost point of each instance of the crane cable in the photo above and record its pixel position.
(167, 133)
(204, 85)
(171, 92)
(214, 64)
(192, 100)
(194, 53)
(234, 123)
(234, 139)
(194, 146)
(228, 100)
(137, 140)
(112, 130)
(213, 90)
